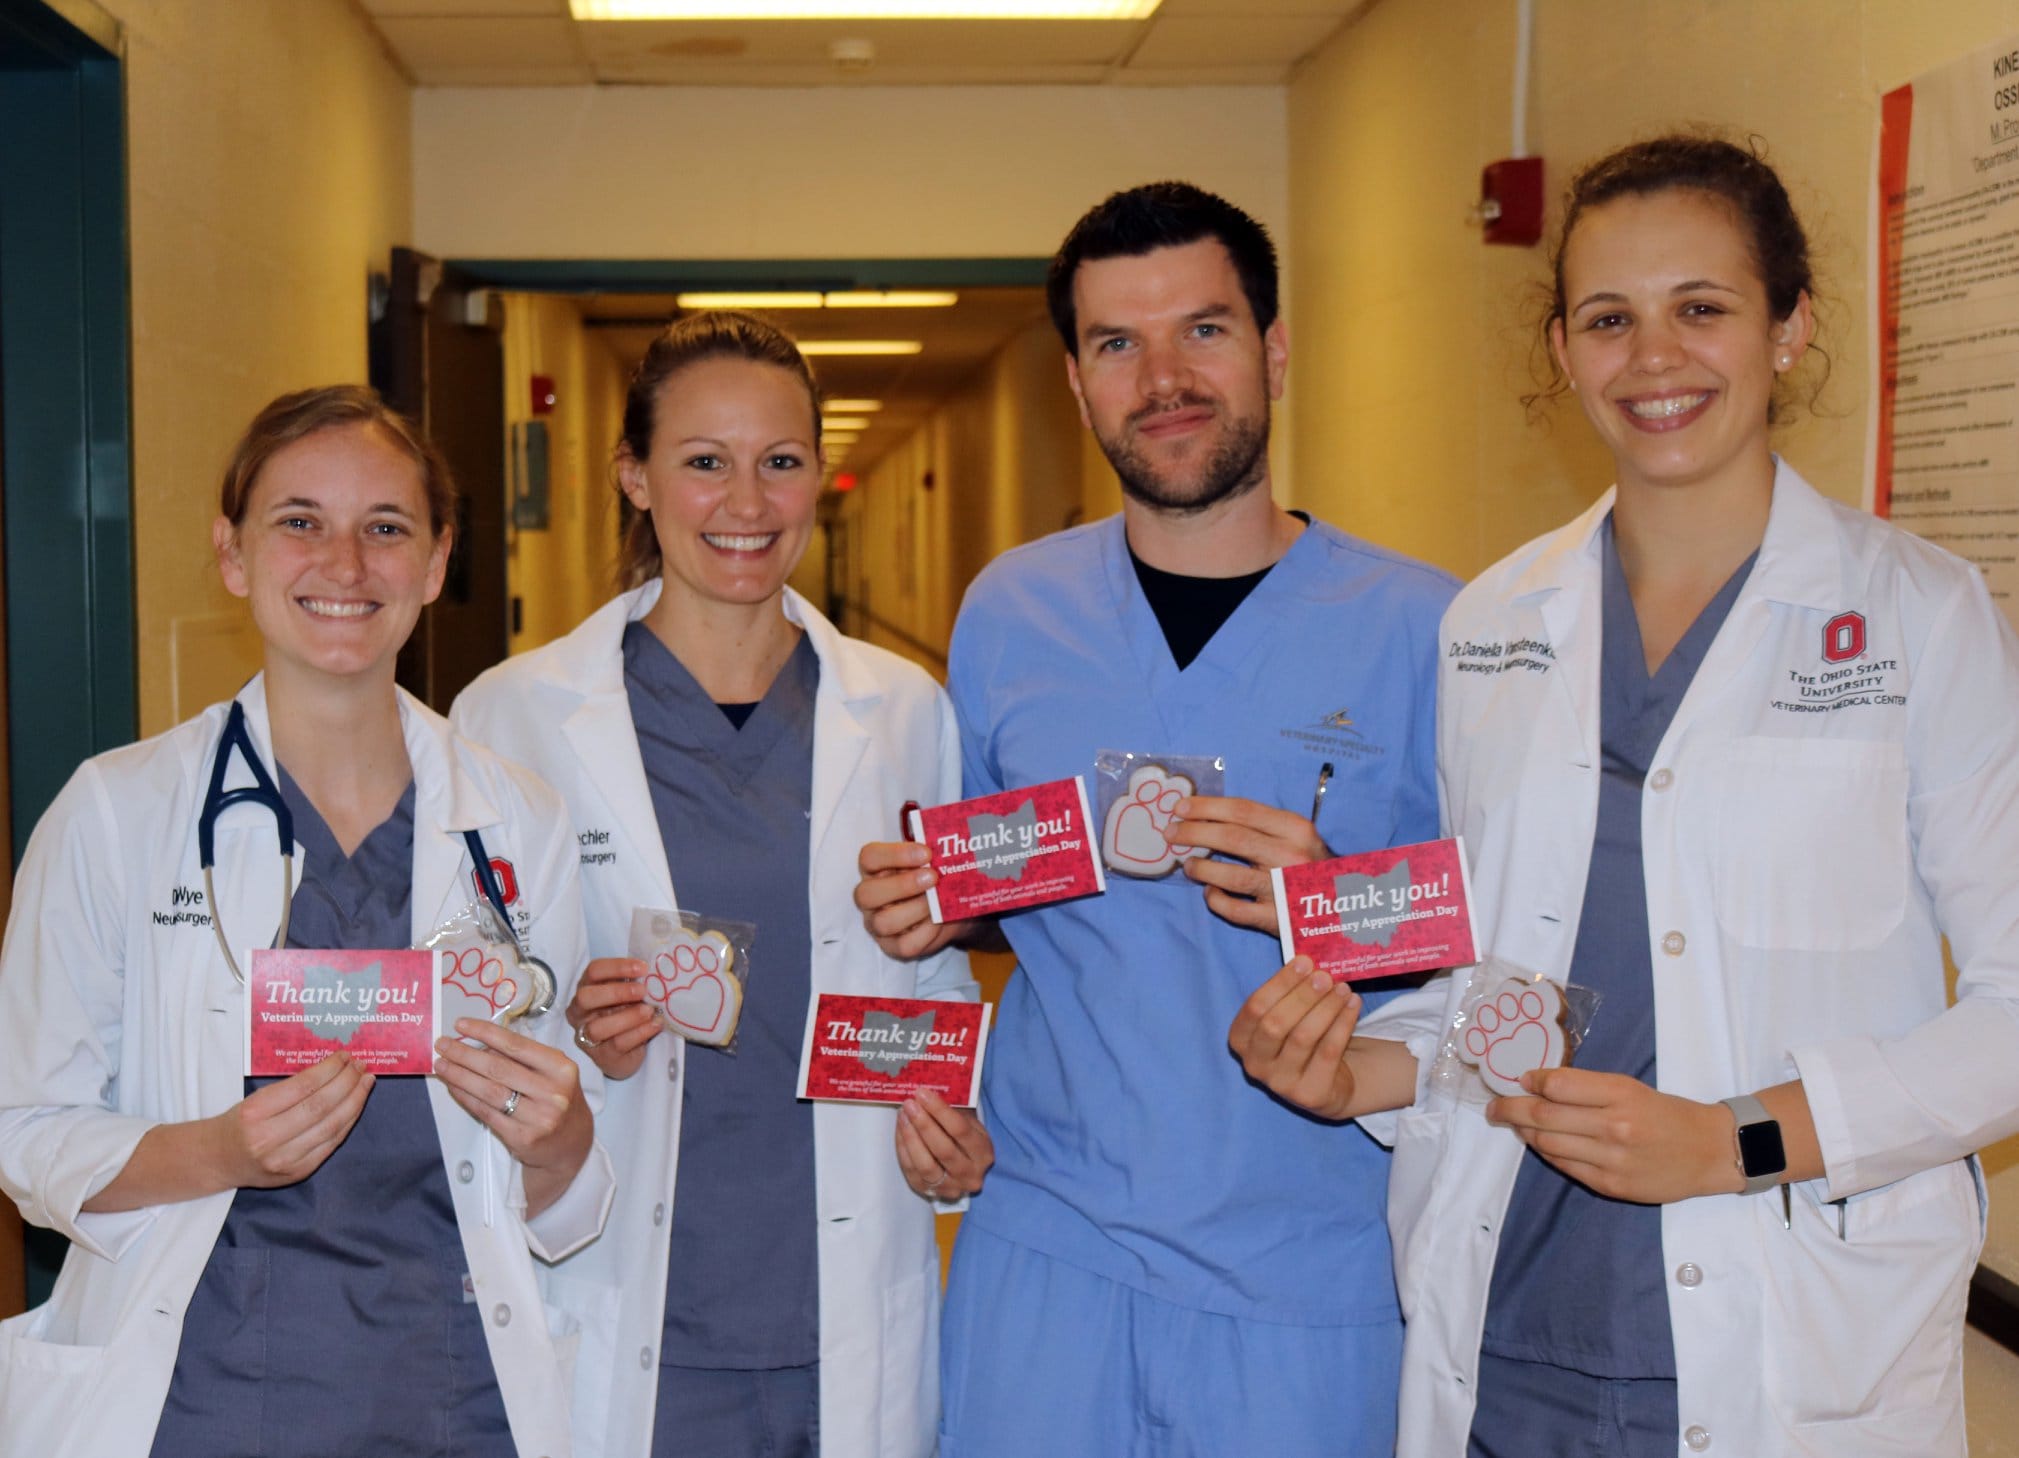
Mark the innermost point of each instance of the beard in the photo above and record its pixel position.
(1234, 466)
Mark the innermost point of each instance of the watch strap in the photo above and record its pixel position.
(1748, 1110)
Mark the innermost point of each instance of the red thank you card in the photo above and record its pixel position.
(1006, 851)
(882, 1050)
(1380, 913)
(383, 1008)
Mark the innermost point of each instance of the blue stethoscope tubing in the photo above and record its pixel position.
(216, 800)
(264, 792)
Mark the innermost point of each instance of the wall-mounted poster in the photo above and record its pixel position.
(1945, 423)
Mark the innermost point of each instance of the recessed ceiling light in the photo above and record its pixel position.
(863, 9)
(860, 346)
(843, 422)
(852, 407)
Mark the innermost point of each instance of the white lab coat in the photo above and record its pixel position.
(883, 733)
(1802, 864)
(118, 1012)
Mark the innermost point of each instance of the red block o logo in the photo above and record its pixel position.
(508, 880)
(1844, 638)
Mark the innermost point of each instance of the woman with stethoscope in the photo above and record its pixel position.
(320, 1263)
(711, 732)
(1736, 757)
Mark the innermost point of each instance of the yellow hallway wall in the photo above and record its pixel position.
(564, 571)
(1410, 332)
(268, 165)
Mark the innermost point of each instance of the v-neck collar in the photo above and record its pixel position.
(314, 832)
(693, 720)
(1626, 658)
(1173, 693)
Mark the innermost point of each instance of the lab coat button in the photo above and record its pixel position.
(1697, 1436)
(645, 1358)
(1689, 1276)
(1661, 779)
(659, 1213)
(1674, 943)
(466, 1171)
(501, 1314)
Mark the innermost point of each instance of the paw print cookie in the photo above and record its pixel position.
(1514, 1030)
(1132, 840)
(691, 986)
(476, 984)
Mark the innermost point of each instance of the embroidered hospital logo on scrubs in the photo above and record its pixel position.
(1334, 734)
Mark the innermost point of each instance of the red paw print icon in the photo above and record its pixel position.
(479, 975)
(1515, 1031)
(691, 986)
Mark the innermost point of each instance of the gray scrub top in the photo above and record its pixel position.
(1579, 1280)
(331, 1317)
(734, 806)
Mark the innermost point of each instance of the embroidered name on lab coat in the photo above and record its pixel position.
(595, 848)
(1531, 655)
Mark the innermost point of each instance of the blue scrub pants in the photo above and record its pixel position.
(1039, 1359)
(1531, 1408)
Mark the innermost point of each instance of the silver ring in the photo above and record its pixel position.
(586, 1043)
(933, 1185)
(512, 1104)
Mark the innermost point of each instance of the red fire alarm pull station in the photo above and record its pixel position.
(543, 395)
(1510, 200)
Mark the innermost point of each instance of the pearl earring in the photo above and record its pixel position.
(1787, 360)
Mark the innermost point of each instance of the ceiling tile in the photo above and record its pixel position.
(1248, 40)
(430, 45)
(467, 9)
(642, 45)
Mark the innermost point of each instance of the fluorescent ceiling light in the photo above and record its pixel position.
(863, 9)
(748, 300)
(852, 407)
(860, 346)
(840, 299)
(893, 299)
(833, 423)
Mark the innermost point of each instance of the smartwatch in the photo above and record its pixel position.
(1762, 1158)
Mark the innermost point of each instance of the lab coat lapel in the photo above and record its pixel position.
(606, 747)
(447, 802)
(1564, 584)
(840, 736)
(1789, 572)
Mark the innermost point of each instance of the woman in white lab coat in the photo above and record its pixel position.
(320, 1263)
(1738, 756)
(718, 740)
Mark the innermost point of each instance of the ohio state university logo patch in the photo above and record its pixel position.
(1844, 638)
(508, 880)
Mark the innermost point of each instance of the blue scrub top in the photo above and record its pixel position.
(1128, 1141)
(1579, 1278)
(733, 806)
(331, 1317)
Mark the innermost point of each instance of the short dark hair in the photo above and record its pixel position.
(1162, 215)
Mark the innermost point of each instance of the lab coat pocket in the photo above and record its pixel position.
(1811, 849)
(909, 1399)
(46, 1389)
(1870, 1321)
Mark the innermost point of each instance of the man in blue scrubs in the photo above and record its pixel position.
(1165, 1260)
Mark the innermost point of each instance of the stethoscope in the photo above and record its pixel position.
(264, 792)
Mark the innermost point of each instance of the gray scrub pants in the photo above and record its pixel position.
(1534, 1410)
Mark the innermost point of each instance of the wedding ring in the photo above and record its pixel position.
(586, 1043)
(937, 1180)
(512, 1104)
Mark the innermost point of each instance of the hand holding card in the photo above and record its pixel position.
(382, 1008)
(1011, 850)
(1379, 913)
